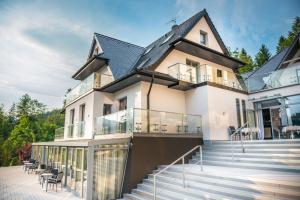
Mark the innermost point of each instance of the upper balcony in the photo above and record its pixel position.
(205, 73)
(95, 80)
(276, 79)
(141, 121)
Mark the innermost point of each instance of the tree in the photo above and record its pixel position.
(28, 107)
(262, 56)
(285, 42)
(247, 59)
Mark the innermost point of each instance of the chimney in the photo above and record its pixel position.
(174, 27)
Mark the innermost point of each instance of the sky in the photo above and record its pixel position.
(42, 43)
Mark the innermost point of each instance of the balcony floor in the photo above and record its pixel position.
(15, 184)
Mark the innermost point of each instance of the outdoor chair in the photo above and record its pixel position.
(52, 171)
(56, 180)
(33, 167)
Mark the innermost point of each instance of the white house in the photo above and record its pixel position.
(138, 107)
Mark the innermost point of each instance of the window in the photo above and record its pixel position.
(167, 38)
(244, 110)
(82, 112)
(107, 109)
(96, 52)
(192, 63)
(72, 113)
(219, 73)
(238, 112)
(123, 104)
(203, 37)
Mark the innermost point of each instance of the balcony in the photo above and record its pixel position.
(148, 122)
(80, 129)
(205, 73)
(70, 130)
(59, 133)
(95, 80)
(275, 79)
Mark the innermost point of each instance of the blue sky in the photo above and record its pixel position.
(42, 43)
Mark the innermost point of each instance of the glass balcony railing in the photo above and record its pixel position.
(80, 129)
(70, 130)
(204, 73)
(275, 79)
(148, 121)
(95, 80)
(59, 133)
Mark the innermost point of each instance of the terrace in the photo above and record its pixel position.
(15, 184)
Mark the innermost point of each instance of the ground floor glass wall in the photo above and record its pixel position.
(109, 168)
(70, 160)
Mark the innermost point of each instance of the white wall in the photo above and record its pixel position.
(194, 35)
(217, 108)
(89, 109)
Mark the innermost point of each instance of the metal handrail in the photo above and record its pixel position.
(242, 142)
(173, 163)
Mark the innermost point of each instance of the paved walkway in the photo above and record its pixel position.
(17, 185)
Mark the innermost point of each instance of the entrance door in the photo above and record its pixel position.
(276, 122)
(267, 123)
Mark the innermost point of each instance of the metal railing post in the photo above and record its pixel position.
(183, 175)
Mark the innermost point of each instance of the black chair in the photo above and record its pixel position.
(56, 180)
(33, 167)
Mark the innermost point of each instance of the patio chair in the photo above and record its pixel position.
(52, 171)
(33, 167)
(56, 180)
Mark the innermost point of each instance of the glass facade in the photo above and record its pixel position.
(71, 160)
(109, 168)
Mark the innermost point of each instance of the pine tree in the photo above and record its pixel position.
(262, 56)
(247, 59)
(284, 42)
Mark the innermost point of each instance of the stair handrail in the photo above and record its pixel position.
(173, 163)
(239, 130)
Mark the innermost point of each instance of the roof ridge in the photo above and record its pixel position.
(119, 40)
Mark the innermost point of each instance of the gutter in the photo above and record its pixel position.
(148, 102)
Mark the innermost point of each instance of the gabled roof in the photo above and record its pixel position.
(122, 56)
(256, 77)
(159, 50)
(275, 62)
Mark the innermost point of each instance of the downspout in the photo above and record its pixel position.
(148, 104)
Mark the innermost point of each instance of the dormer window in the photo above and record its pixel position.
(203, 37)
(96, 52)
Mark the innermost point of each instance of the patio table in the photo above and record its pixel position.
(28, 164)
(47, 176)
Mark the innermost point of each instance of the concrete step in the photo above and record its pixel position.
(249, 165)
(252, 155)
(283, 141)
(194, 180)
(276, 161)
(253, 146)
(247, 150)
(235, 175)
(200, 191)
(145, 195)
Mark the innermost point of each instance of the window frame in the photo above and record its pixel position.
(204, 34)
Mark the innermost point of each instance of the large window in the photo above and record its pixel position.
(293, 110)
(238, 112)
(109, 165)
(244, 110)
(123, 103)
(82, 112)
(107, 109)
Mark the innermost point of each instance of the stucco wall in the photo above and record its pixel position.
(88, 100)
(217, 107)
(194, 35)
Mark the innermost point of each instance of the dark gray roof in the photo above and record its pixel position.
(122, 56)
(125, 57)
(158, 50)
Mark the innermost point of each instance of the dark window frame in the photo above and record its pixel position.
(244, 111)
(105, 107)
(204, 34)
(123, 106)
(82, 112)
(219, 73)
(238, 112)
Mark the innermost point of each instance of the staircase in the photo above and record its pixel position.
(267, 170)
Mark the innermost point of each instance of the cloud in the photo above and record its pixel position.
(29, 66)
